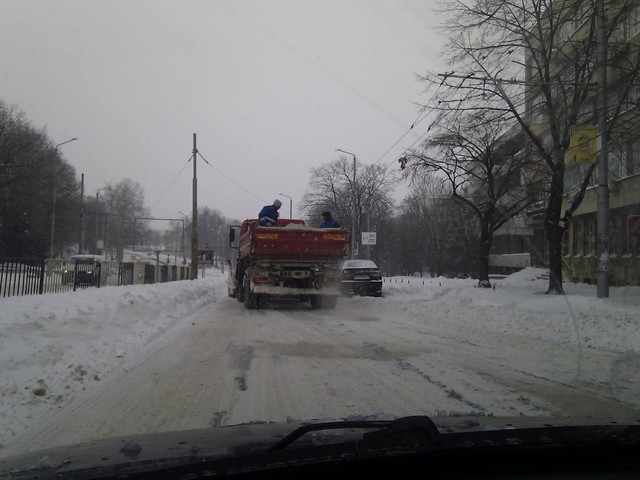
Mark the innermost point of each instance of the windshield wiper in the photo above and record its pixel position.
(411, 428)
(463, 449)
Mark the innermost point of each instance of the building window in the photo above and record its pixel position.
(616, 164)
(577, 238)
(633, 166)
(538, 108)
(585, 111)
(634, 94)
(583, 13)
(565, 31)
(575, 175)
(633, 22)
(615, 229)
(589, 238)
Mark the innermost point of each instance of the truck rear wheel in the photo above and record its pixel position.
(240, 293)
(250, 298)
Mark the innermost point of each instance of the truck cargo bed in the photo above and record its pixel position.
(292, 241)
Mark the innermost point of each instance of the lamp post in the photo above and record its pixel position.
(184, 218)
(290, 204)
(53, 203)
(97, 192)
(353, 213)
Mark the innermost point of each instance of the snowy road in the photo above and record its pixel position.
(224, 365)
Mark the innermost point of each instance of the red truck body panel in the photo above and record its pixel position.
(291, 240)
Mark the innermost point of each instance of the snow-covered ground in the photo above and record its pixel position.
(52, 347)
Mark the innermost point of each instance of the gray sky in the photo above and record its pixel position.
(271, 88)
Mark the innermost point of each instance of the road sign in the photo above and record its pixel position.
(584, 143)
(368, 238)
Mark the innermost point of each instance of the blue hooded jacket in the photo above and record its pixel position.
(329, 222)
(268, 216)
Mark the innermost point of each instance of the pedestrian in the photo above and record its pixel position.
(328, 221)
(268, 216)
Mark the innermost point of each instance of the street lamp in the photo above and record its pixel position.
(55, 188)
(184, 218)
(353, 213)
(290, 204)
(97, 192)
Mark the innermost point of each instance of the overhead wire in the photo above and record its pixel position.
(172, 182)
(230, 179)
(211, 166)
(416, 122)
(419, 119)
(315, 64)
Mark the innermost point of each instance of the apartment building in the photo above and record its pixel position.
(580, 249)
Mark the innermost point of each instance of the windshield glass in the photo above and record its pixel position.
(148, 280)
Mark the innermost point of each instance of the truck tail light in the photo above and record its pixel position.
(267, 236)
(333, 236)
(259, 279)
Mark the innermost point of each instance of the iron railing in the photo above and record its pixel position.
(20, 276)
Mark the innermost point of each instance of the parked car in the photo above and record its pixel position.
(361, 277)
(87, 270)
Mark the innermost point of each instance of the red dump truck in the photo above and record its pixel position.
(288, 260)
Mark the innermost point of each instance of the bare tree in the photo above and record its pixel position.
(534, 61)
(483, 173)
(213, 231)
(397, 251)
(442, 230)
(126, 206)
(333, 187)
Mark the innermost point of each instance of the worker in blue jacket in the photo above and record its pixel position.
(268, 216)
(328, 221)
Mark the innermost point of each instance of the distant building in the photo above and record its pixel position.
(512, 243)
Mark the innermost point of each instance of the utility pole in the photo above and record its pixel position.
(354, 240)
(603, 166)
(81, 239)
(194, 217)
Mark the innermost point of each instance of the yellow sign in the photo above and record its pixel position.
(584, 144)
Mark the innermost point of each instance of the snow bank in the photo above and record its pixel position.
(54, 346)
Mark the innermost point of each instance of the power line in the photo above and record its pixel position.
(172, 182)
(230, 179)
(420, 118)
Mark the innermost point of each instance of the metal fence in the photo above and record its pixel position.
(19, 276)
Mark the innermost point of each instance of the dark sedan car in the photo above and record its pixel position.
(361, 277)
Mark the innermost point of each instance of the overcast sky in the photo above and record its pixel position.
(270, 88)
